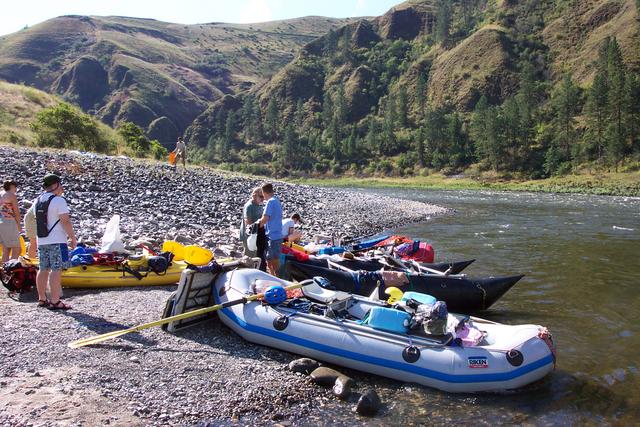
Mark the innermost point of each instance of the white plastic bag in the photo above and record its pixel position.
(112, 240)
(252, 242)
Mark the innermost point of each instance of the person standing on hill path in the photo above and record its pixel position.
(181, 153)
(272, 222)
(9, 221)
(54, 229)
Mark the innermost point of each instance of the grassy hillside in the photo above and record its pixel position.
(158, 75)
(19, 108)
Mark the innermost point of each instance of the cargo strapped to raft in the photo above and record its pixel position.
(195, 291)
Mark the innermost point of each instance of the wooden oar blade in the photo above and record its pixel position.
(115, 334)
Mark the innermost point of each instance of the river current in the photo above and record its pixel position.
(581, 257)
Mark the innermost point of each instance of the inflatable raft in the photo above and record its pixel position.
(462, 294)
(507, 358)
(374, 264)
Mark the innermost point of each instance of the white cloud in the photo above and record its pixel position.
(256, 11)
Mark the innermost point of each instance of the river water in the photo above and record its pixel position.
(581, 257)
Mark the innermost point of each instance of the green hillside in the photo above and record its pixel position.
(158, 75)
(503, 86)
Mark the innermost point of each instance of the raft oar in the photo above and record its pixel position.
(115, 334)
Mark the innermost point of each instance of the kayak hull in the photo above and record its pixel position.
(112, 277)
(462, 294)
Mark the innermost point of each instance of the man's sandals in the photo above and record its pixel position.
(51, 306)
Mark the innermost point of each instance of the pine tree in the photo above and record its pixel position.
(289, 146)
(372, 138)
(271, 120)
(512, 132)
(527, 101)
(616, 130)
(229, 135)
(632, 110)
(458, 153)
(494, 143)
(420, 145)
(421, 95)
(327, 110)
(596, 108)
(299, 114)
(402, 107)
(479, 131)
(565, 102)
(443, 20)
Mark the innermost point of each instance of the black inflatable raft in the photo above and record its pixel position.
(462, 294)
(374, 264)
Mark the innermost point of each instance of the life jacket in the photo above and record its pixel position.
(42, 209)
(418, 251)
(18, 278)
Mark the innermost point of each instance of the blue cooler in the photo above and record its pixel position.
(388, 319)
(421, 298)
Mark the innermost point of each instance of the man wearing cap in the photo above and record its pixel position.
(54, 229)
(288, 228)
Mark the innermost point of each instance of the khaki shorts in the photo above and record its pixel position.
(9, 234)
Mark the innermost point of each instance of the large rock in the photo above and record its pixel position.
(342, 387)
(369, 403)
(303, 365)
(325, 376)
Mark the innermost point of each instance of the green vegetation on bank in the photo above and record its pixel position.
(623, 183)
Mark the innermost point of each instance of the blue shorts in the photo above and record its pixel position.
(53, 257)
(274, 249)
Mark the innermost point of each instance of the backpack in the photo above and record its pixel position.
(17, 278)
(42, 209)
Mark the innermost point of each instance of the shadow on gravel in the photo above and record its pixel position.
(101, 326)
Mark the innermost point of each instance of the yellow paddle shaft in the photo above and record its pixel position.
(110, 335)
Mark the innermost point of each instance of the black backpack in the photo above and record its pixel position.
(42, 208)
(18, 278)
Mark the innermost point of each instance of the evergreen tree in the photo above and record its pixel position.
(597, 104)
(527, 102)
(632, 109)
(565, 102)
(219, 121)
(458, 142)
(512, 132)
(335, 140)
(299, 114)
(479, 131)
(402, 107)
(330, 43)
(494, 141)
(327, 110)
(421, 95)
(443, 20)
(229, 135)
(289, 147)
(420, 146)
(271, 119)
(346, 44)
(373, 143)
(616, 129)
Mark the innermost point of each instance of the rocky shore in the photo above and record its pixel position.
(205, 374)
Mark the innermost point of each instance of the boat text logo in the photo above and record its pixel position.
(478, 362)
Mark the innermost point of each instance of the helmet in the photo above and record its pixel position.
(275, 294)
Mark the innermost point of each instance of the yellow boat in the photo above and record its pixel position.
(106, 276)
(99, 276)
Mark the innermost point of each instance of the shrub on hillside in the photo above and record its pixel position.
(63, 126)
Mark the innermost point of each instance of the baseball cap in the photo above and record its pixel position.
(51, 179)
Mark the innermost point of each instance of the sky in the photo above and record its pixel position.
(17, 14)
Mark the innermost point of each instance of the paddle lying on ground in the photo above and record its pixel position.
(115, 334)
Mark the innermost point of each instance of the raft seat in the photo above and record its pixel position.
(317, 293)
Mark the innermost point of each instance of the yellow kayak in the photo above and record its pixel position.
(98, 276)
(103, 276)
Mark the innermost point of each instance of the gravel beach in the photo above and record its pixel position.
(205, 374)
